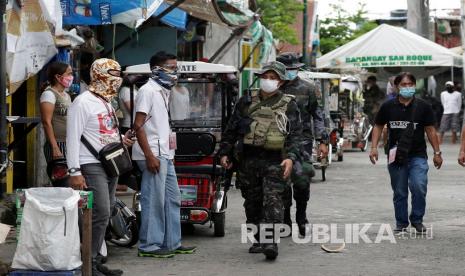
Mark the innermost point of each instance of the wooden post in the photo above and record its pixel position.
(86, 205)
(3, 111)
(86, 246)
(462, 33)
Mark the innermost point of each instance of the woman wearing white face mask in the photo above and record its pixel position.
(54, 103)
(266, 127)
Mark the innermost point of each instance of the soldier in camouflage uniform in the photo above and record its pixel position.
(373, 97)
(264, 137)
(312, 118)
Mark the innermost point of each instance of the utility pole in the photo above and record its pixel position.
(305, 35)
(418, 17)
(3, 111)
(462, 32)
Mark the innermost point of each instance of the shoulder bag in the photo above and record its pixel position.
(405, 141)
(114, 157)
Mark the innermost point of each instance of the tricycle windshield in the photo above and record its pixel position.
(196, 104)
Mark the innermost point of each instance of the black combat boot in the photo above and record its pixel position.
(301, 217)
(256, 246)
(271, 249)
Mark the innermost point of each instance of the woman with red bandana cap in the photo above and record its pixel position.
(92, 116)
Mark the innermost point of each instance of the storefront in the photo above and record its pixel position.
(222, 31)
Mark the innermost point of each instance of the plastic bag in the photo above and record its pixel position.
(49, 236)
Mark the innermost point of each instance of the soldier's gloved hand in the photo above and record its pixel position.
(287, 167)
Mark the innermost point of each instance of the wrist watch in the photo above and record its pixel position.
(437, 153)
(74, 170)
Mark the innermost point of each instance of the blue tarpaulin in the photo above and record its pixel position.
(176, 18)
(101, 12)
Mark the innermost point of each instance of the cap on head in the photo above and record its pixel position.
(276, 67)
(449, 83)
(290, 60)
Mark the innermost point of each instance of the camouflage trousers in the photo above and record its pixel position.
(262, 186)
(300, 179)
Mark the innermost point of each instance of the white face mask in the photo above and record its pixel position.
(269, 86)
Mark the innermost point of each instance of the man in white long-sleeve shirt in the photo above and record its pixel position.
(452, 102)
(91, 116)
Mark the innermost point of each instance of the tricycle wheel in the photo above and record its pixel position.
(219, 220)
(132, 235)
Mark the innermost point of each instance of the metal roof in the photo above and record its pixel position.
(186, 67)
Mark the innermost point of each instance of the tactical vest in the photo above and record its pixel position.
(264, 130)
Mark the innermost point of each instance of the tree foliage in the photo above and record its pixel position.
(343, 27)
(278, 16)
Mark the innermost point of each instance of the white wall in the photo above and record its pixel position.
(215, 36)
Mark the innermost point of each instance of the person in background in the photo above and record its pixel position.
(391, 93)
(461, 158)
(84, 70)
(410, 115)
(391, 89)
(92, 117)
(179, 102)
(54, 103)
(124, 104)
(313, 128)
(125, 101)
(458, 87)
(373, 98)
(452, 102)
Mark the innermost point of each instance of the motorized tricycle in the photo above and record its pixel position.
(356, 127)
(200, 105)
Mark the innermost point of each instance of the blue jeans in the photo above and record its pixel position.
(413, 176)
(160, 202)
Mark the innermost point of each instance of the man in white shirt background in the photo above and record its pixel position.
(160, 232)
(452, 102)
(179, 102)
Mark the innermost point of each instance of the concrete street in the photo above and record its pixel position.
(355, 192)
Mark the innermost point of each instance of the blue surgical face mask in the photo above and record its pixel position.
(407, 92)
(291, 74)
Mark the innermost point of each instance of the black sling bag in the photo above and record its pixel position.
(404, 144)
(114, 157)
